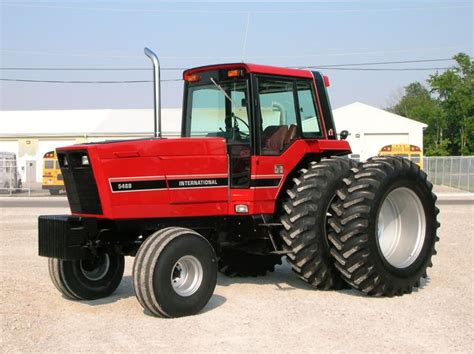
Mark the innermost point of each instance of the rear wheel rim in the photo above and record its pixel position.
(97, 268)
(186, 276)
(401, 227)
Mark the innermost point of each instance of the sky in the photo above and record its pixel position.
(112, 34)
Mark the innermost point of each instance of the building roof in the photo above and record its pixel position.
(371, 119)
(94, 122)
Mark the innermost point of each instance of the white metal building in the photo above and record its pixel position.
(30, 134)
(371, 128)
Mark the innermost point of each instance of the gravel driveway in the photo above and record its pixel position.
(274, 313)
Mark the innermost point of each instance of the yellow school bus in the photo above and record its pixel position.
(52, 176)
(410, 152)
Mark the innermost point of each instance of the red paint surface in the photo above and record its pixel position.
(253, 68)
(186, 158)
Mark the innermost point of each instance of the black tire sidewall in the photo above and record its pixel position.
(172, 304)
(87, 289)
(407, 179)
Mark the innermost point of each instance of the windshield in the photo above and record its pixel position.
(218, 108)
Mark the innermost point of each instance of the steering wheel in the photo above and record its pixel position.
(240, 119)
(236, 129)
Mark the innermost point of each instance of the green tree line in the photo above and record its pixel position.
(446, 105)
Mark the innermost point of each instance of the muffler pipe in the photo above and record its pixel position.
(156, 91)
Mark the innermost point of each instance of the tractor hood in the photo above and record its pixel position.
(153, 147)
(146, 178)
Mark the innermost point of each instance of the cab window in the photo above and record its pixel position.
(310, 126)
(219, 109)
(278, 114)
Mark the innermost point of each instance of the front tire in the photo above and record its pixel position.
(175, 272)
(385, 232)
(89, 279)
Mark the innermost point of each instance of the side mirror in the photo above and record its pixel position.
(343, 134)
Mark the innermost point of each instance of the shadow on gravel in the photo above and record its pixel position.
(352, 292)
(214, 302)
(124, 291)
(282, 278)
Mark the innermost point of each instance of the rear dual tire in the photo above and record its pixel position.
(305, 215)
(384, 227)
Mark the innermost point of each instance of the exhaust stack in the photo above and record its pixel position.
(156, 91)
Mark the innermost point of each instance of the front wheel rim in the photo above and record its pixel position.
(401, 227)
(95, 269)
(186, 276)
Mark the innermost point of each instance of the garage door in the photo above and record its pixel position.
(374, 142)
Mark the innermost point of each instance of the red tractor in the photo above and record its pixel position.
(259, 173)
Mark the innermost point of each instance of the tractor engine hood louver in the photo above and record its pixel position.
(79, 182)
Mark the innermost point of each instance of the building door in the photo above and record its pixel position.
(30, 171)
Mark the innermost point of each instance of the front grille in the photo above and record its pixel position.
(80, 183)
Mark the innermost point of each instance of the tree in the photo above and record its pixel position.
(447, 108)
(455, 92)
(418, 104)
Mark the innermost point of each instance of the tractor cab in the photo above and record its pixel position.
(265, 107)
(260, 111)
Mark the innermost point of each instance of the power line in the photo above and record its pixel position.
(385, 62)
(184, 68)
(86, 82)
(84, 69)
(375, 69)
(170, 80)
(341, 67)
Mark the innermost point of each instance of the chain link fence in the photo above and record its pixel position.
(452, 171)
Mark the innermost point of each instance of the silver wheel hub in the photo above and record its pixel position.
(186, 276)
(95, 269)
(401, 227)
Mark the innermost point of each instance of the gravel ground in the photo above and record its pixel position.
(274, 313)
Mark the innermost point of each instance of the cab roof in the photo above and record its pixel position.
(253, 68)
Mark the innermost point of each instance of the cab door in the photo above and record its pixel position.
(288, 119)
(240, 152)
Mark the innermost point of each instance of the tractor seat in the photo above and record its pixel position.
(273, 138)
(290, 135)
